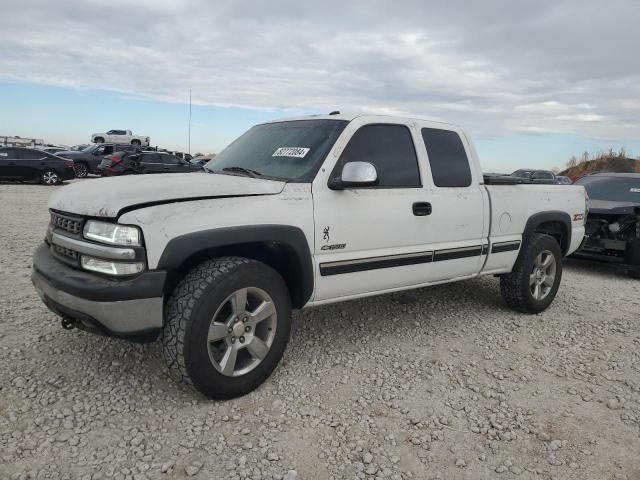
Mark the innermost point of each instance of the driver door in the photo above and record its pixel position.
(371, 239)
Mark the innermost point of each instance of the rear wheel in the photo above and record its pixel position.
(135, 142)
(534, 281)
(98, 140)
(227, 325)
(49, 177)
(81, 170)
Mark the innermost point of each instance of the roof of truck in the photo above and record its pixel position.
(351, 116)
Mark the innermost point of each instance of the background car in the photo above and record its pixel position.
(536, 176)
(29, 165)
(86, 161)
(127, 163)
(613, 221)
(53, 150)
(562, 180)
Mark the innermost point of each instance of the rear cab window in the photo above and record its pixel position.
(447, 158)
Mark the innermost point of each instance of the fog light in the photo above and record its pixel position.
(111, 268)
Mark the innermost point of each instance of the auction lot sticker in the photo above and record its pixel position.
(298, 152)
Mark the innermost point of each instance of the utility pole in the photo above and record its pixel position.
(189, 122)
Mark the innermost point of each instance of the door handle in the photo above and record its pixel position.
(420, 209)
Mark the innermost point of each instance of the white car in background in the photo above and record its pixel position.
(120, 136)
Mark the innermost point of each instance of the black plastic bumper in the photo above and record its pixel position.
(94, 287)
(130, 309)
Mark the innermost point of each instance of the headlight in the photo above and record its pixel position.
(111, 268)
(112, 233)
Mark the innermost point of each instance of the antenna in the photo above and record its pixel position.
(189, 122)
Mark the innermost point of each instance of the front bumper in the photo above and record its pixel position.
(123, 308)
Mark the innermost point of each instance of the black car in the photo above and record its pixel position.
(613, 222)
(535, 176)
(29, 165)
(126, 163)
(86, 161)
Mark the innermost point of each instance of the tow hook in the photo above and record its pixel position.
(68, 323)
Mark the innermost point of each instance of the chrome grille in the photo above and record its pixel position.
(69, 224)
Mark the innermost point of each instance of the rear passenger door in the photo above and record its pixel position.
(171, 163)
(149, 163)
(456, 229)
(30, 164)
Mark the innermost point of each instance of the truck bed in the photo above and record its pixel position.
(509, 180)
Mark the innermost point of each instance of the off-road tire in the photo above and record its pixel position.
(515, 287)
(81, 170)
(188, 314)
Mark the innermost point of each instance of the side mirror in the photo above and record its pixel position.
(355, 174)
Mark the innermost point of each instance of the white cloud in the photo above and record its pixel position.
(494, 66)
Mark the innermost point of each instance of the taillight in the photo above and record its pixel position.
(115, 160)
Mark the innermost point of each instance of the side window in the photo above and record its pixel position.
(168, 159)
(30, 154)
(7, 153)
(149, 158)
(390, 148)
(542, 176)
(108, 149)
(447, 158)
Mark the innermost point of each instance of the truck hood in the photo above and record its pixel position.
(107, 197)
(611, 207)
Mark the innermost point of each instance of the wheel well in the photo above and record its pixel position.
(279, 256)
(558, 230)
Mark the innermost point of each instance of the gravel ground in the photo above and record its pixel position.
(442, 382)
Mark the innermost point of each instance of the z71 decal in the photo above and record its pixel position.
(578, 216)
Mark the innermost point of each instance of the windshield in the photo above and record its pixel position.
(90, 148)
(613, 189)
(291, 151)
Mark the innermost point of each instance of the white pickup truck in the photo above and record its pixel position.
(294, 214)
(120, 136)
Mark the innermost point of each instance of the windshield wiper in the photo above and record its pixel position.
(247, 171)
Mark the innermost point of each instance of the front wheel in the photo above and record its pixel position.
(227, 325)
(533, 283)
(98, 140)
(49, 177)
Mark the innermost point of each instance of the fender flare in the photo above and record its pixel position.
(179, 249)
(537, 219)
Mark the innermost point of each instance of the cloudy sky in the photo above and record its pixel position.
(533, 81)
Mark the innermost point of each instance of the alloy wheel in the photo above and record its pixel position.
(50, 178)
(80, 170)
(242, 331)
(542, 275)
